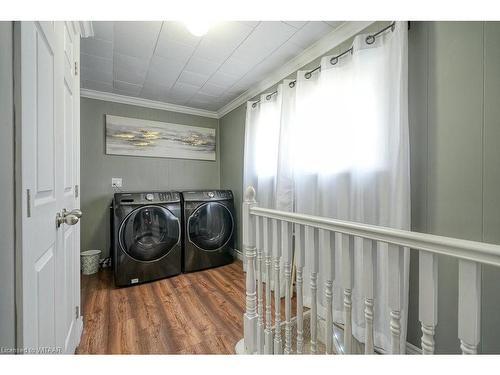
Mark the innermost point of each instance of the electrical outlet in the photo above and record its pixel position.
(116, 182)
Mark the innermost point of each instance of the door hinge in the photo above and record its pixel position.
(77, 312)
(76, 68)
(76, 191)
(28, 202)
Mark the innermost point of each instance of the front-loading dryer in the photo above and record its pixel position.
(147, 236)
(209, 229)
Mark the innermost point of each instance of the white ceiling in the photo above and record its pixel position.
(163, 61)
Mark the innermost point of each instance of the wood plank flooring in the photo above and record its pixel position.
(193, 313)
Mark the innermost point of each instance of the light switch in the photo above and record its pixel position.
(116, 182)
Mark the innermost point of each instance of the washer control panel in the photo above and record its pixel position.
(147, 198)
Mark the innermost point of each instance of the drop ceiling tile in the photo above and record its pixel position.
(130, 69)
(223, 79)
(310, 33)
(125, 87)
(334, 24)
(200, 100)
(95, 62)
(191, 78)
(250, 23)
(296, 24)
(184, 89)
(97, 75)
(154, 92)
(213, 90)
(103, 30)
(130, 62)
(135, 77)
(265, 38)
(175, 30)
(214, 51)
(202, 66)
(163, 71)
(171, 49)
(228, 33)
(236, 67)
(135, 38)
(96, 47)
(282, 55)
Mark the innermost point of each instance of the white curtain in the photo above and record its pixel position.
(336, 145)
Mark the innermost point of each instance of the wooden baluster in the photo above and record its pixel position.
(329, 251)
(299, 263)
(286, 250)
(368, 267)
(260, 297)
(348, 281)
(395, 261)
(268, 344)
(428, 298)
(278, 349)
(469, 305)
(311, 238)
(250, 317)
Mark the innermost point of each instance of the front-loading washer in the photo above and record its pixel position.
(147, 236)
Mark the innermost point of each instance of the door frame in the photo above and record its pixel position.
(82, 29)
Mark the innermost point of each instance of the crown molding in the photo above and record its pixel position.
(123, 99)
(322, 46)
(84, 28)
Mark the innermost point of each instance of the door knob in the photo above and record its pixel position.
(68, 217)
(78, 213)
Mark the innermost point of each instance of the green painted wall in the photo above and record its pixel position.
(138, 173)
(454, 109)
(7, 266)
(455, 132)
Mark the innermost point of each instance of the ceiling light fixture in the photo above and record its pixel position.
(198, 27)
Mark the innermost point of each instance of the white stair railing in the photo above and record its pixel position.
(268, 238)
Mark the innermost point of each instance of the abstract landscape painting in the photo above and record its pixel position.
(135, 137)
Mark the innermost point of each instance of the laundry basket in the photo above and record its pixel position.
(90, 261)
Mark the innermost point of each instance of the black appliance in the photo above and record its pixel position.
(147, 236)
(209, 229)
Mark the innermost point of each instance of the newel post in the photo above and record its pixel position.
(249, 248)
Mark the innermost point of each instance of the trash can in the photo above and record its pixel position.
(90, 261)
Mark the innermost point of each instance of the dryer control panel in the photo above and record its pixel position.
(207, 195)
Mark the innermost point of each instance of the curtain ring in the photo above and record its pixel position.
(370, 39)
(269, 96)
(334, 60)
(307, 75)
(291, 84)
(254, 104)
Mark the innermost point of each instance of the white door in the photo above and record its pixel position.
(47, 127)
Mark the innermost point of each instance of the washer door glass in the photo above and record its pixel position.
(210, 226)
(149, 233)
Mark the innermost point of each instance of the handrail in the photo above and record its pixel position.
(481, 252)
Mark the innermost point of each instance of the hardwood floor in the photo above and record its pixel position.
(193, 313)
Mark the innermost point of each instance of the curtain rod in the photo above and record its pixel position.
(370, 39)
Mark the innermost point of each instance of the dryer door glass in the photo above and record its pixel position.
(210, 226)
(149, 233)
